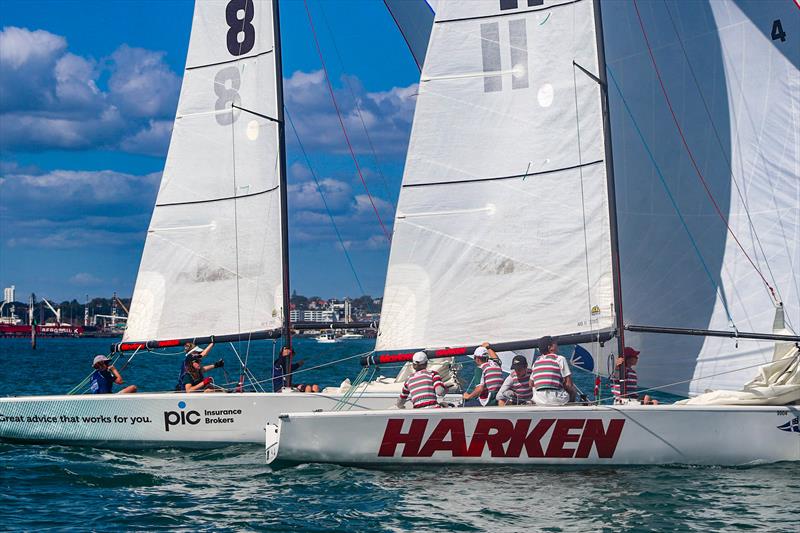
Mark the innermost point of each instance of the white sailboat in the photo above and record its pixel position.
(517, 219)
(215, 265)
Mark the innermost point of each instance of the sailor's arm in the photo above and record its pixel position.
(570, 387)
(116, 374)
(477, 391)
(492, 353)
(504, 388)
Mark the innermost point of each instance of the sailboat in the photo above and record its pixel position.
(570, 162)
(215, 262)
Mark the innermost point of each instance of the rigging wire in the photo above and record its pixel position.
(341, 122)
(324, 201)
(691, 154)
(663, 180)
(726, 156)
(358, 108)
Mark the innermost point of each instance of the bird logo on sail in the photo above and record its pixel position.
(792, 426)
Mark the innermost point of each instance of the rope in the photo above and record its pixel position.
(341, 122)
(325, 202)
(358, 107)
(669, 194)
(691, 155)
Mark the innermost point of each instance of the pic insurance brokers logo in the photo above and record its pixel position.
(182, 417)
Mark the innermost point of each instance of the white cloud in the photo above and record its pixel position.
(305, 195)
(85, 279)
(387, 115)
(141, 84)
(52, 99)
(151, 140)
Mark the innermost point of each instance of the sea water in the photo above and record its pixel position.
(60, 488)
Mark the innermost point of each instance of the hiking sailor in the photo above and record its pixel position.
(105, 375)
(191, 350)
(552, 378)
(516, 389)
(491, 376)
(280, 371)
(195, 381)
(629, 358)
(425, 387)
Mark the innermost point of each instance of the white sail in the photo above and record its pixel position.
(735, 88)
(212, 260)
(502, 230)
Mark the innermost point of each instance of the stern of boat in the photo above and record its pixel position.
(272, 437)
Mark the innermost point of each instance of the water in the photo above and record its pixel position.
(56, 488)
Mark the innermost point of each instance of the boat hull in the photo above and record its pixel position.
(160, 419)
(597, 435)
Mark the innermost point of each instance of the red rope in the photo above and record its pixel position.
(691, 155)
(341, 122)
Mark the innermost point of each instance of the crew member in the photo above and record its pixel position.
(629, 358)
(191, 350)
(424, 387)
(279, 369)
(195, 380)
(105, 375)
(491, 376)
(516, 389)
(552, 377)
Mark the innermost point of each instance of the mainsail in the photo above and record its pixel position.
(212, 262)
(730, 74)
(502, 231)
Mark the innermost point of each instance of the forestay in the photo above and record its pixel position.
(730, 70)
(212, 259)
(502, 230)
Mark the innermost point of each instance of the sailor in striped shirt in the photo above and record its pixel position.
(424, 387)
(517, 388)
(629, 358)
(552, 377)
(491, 376)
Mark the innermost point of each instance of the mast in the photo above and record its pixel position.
(283, 187)
(612, 197)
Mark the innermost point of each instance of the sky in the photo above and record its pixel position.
(88, 93)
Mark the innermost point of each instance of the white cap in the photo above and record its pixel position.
(100, 359)
(420, 357)
(480, 351)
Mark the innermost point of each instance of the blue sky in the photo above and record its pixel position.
(88, 91)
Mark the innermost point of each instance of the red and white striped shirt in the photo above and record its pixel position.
(491, 378)
(548, 372)
(520, 386)
(423, 386)
(631, 381)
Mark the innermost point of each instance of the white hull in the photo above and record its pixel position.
(160, 419)
(626, 435)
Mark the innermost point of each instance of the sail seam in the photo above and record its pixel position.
(195, 67)
(511, 12)
(500, 178)
(235, 197)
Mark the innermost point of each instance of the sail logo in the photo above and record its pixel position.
(567, 438)
(182, 417)
(792, 426)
